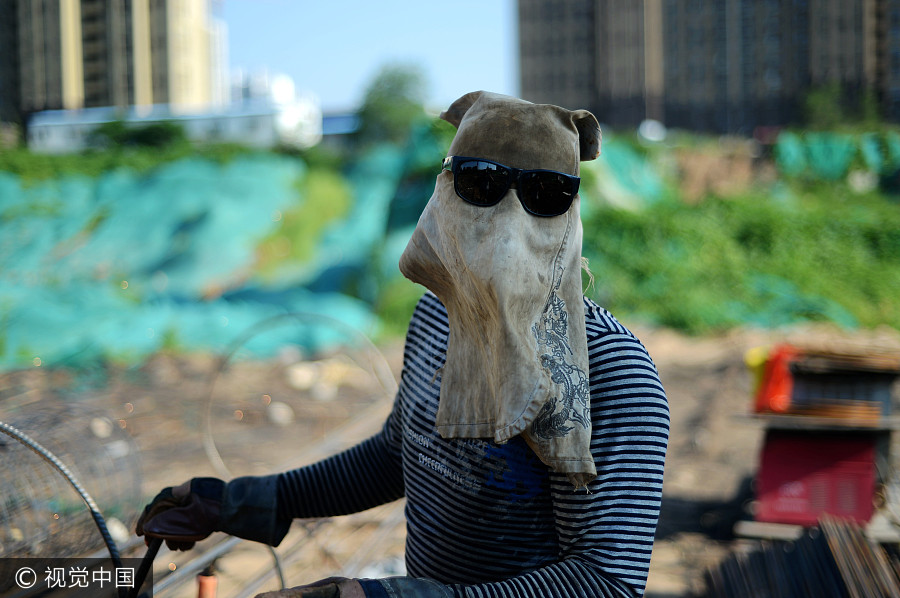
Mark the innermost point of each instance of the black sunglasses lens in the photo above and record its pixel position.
(547, 193)
(481, 183)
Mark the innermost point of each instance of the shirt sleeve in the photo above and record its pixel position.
(364, 476)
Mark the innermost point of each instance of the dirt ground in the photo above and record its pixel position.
(186, 413)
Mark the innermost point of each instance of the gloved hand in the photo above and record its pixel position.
(341, 587)
(184, 514)
(333, 587)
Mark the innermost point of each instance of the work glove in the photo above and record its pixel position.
(185, 514)
(390, 587)
(246, 507)
(333, 587)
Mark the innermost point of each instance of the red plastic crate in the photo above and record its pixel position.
(802, 476)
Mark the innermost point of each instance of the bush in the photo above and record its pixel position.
(31, 167)
(755, 259)
(118, 134)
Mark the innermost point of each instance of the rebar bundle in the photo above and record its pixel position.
(833, 560)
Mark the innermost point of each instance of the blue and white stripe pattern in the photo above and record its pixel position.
(490, 520)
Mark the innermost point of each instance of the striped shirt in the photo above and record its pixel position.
(490, 519)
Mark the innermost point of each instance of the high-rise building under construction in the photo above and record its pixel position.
(709, 65)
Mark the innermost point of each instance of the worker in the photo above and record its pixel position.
(529, 431)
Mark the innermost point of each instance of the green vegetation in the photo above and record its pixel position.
(756, 259)
(32, 167)
(396, 300)
(834, 108)
(118, 134)
(392, 104)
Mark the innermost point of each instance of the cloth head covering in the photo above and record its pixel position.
(511, 282)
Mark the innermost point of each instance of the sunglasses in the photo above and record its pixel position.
(483, 183)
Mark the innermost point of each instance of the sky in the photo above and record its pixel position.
(334, 48)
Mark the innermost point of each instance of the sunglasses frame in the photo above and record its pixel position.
(452, 163)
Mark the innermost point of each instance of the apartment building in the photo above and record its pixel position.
(72, 54)
(887, 56)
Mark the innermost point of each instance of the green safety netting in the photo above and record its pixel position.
(624, 178)
(880, 152)
(790, 154)
(126, 264)
(823, 155)
(830, 156)
(346, 246)
(772, 302)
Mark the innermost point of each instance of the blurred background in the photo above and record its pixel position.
(172, 171)
(177, 177)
